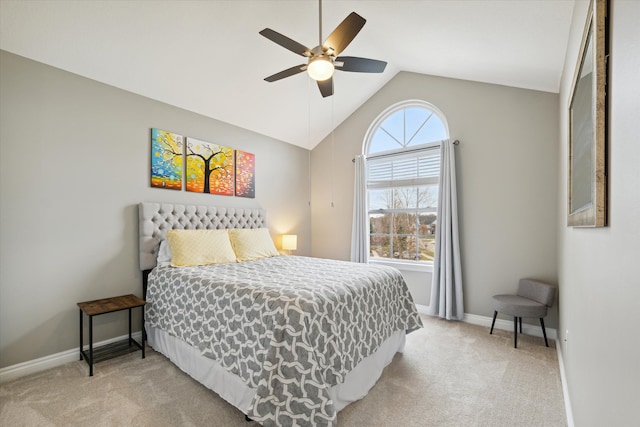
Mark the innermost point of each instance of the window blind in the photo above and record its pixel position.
(406, 169)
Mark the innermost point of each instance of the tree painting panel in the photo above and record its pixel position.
(166, 159)
(209, 168)
(245, 174)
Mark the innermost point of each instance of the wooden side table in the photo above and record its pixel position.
(103, 306)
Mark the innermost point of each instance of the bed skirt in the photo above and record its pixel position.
(231, 388)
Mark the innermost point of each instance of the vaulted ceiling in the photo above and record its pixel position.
(207, 56)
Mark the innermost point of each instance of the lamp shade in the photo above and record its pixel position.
(289, 242)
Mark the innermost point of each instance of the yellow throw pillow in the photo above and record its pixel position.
(252, 243)
(199, 247)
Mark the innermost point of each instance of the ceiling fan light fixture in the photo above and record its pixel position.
(320, 68)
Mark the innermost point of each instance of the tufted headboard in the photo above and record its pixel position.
(155, 219)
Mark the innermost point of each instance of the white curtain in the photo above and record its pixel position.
(360, 227)
(446, 287)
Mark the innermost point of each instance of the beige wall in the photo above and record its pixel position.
(507, 165)
(598, 268)
(74, 164)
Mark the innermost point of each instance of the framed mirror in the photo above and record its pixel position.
(587, 175)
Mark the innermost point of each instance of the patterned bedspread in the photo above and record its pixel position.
(291, 327)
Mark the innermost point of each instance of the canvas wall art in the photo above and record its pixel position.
(245, 174)
(210, 167)
(166, 159)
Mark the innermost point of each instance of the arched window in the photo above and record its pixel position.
(402, 150)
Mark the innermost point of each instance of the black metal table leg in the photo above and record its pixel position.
(515, 332)
(104, 306)
(90, 346)
(142, 332)
(81, 333)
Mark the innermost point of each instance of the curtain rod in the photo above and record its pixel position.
(456, 142)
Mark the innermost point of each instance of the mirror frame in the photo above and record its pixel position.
(587, 171)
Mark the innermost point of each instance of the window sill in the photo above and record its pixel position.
(404, 265)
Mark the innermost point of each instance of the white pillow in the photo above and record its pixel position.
(164, 254)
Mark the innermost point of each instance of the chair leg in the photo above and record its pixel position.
(515, 332)
(544, 333)
(521, 325)
(495, 314)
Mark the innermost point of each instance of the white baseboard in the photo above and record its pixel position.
(507, 325)
(32, 366)
(422, 309)
(565, 389)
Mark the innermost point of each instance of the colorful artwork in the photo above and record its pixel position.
(166, 159)
(209, 168)
(245, 174)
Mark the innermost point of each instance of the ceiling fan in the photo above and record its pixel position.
(323, 59)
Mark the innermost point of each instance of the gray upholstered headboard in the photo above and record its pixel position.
(155, 219)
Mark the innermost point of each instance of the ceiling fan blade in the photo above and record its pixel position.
(287, 73)
(360, 65)
(344, 33)
(326, 87)
(286, 42)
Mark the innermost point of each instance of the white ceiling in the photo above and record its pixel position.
(207, 56)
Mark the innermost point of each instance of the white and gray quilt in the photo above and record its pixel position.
(290, 327)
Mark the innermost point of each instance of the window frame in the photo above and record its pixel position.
(407, 151)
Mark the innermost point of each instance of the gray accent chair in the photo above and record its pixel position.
(532, 300)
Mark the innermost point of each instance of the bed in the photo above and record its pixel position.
(287, 340)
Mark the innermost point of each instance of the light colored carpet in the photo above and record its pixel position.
(451, 374)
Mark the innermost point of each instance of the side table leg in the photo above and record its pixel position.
(129, 327)
(81, 333)
(90, 346)
(142, 332)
